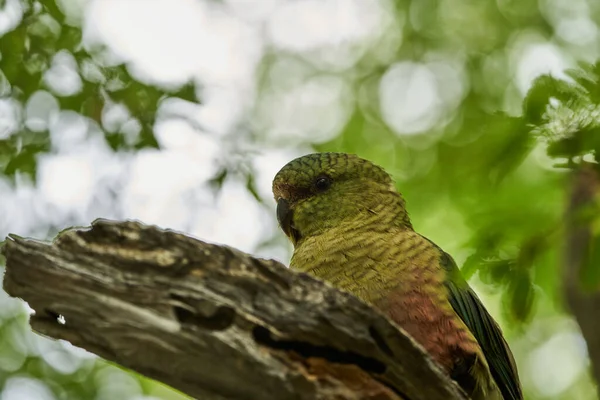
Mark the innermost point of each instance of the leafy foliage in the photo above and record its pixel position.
(487, 182)
(566, 113)
(34, 45)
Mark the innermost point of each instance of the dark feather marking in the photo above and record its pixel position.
(411, 246)
(461, 372)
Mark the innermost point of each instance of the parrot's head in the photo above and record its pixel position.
(319, 191)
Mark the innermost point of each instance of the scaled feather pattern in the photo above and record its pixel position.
(349, 227)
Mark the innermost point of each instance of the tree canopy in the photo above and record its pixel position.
(179, 113)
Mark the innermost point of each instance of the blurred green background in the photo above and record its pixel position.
(179, 113)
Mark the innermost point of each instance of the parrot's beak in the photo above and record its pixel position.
(284, 216)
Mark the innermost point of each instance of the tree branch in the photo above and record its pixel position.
(213, 322)
(584, 304)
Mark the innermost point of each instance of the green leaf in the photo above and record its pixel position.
(522, 297)
(251, 187)
(217, 182)
(542, 90)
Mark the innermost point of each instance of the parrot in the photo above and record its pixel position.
(349, 227)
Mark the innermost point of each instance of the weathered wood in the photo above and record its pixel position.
(212, 321)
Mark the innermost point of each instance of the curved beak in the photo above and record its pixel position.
(284, 216)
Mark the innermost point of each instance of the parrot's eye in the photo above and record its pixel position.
(322, 183)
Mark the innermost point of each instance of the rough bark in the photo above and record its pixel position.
(212, 321)
(584, 303)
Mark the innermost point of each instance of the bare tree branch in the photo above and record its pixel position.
(213, 322)
(584, 304)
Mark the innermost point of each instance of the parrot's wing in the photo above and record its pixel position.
(487, 332)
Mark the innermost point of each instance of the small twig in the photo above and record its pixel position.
(585, 305)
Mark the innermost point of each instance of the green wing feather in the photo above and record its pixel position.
(487, 332)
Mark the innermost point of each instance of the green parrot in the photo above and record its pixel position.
(349, 227)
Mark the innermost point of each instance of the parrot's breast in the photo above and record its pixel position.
(396, 271)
